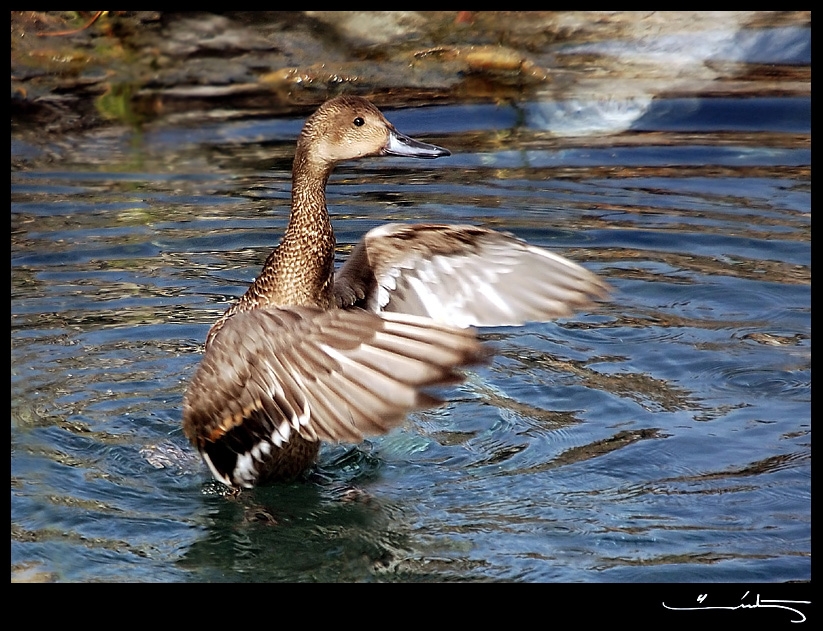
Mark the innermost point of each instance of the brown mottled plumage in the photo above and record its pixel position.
(304, 356)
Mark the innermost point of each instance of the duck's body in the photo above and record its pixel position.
(304, 356)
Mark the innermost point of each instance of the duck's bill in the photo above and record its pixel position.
(401, 145)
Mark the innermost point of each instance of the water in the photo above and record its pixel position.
(662, 436)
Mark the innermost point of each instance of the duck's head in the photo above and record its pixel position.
(350, 127)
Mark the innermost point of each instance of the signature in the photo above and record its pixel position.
(758, 603)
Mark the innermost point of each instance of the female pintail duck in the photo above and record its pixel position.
(306, 355)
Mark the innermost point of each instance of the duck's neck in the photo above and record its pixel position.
(300, 271)
(304, 260)
(309, 217)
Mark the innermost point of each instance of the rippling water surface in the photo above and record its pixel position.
(662, 436)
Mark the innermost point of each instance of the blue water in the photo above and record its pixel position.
(664, 436)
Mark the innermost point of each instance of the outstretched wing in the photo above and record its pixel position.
(275, 376)
(462, 276)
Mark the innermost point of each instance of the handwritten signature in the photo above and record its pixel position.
(758, 603)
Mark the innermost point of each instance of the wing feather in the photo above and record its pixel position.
(463, 276)
(271, 376)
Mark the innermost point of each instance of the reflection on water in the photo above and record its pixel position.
(664, 436)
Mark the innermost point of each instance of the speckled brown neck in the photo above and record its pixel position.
(300, 271)
(302, 266)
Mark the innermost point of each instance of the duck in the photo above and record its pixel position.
(309, 354)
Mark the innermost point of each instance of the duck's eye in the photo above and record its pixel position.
(358, 122)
